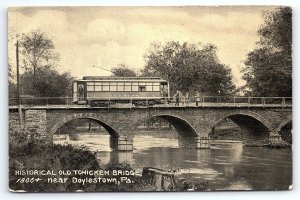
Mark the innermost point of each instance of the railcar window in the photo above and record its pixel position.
(113, 86)
(135, 87)
(98, 86)
(105, 87)
(156, 87)
(127, 87)
(149, 87)
(120, 87)
(90, 87)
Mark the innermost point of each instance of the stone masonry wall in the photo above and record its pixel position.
(36, 124)
(124, 121)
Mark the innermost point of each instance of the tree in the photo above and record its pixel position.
(49, 83)
(12, 87)
(123, 70)
(268, 69)
(189, 67)
(11, 74)
(37, 51)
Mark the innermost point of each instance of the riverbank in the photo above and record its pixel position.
(54, 162)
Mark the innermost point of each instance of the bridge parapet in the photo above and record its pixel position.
(203, 101)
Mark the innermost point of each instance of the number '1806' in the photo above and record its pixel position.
(28, 180)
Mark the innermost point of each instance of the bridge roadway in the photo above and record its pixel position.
(260, 123)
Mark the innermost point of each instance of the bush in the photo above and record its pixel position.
(49, 157)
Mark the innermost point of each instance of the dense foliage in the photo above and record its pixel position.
(48, 83)
(189, 68)
(38, 60)
(123, 70)
(37, 50)
(48, 157)
(268, 70)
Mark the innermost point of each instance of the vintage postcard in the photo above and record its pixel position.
(133, 99)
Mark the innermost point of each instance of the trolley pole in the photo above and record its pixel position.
(18, 86)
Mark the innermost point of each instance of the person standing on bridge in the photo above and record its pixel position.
(177, 96)
(183, 99)
(197, 99)
(187, 98)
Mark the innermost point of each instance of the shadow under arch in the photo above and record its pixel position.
(186, 132)
(254, 129)
(112, 132)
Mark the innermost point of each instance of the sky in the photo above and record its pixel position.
(108, 36)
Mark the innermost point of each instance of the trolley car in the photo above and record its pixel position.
(104, 90)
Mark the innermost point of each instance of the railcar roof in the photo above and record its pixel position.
(119, 78)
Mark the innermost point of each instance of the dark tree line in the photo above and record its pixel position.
(38, 60)
(268, 70)
(48, 83)
(38, 51)
(123, 70)
(189, 68)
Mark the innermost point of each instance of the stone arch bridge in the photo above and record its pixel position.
(193, 124)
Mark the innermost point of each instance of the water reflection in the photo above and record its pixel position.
(121, 157)
(228, 158)
(229, 166)
(203, 153)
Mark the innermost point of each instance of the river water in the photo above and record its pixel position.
(226, 166)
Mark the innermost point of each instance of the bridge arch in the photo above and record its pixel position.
(250, 114)
(114, 135)
(68, 119)
(254, 128)
(284, 122)
(182, 126)
(187, 134)
(285, 129)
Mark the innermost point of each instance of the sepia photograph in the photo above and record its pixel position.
(150, 99)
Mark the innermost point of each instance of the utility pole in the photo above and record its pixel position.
(18, 86)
